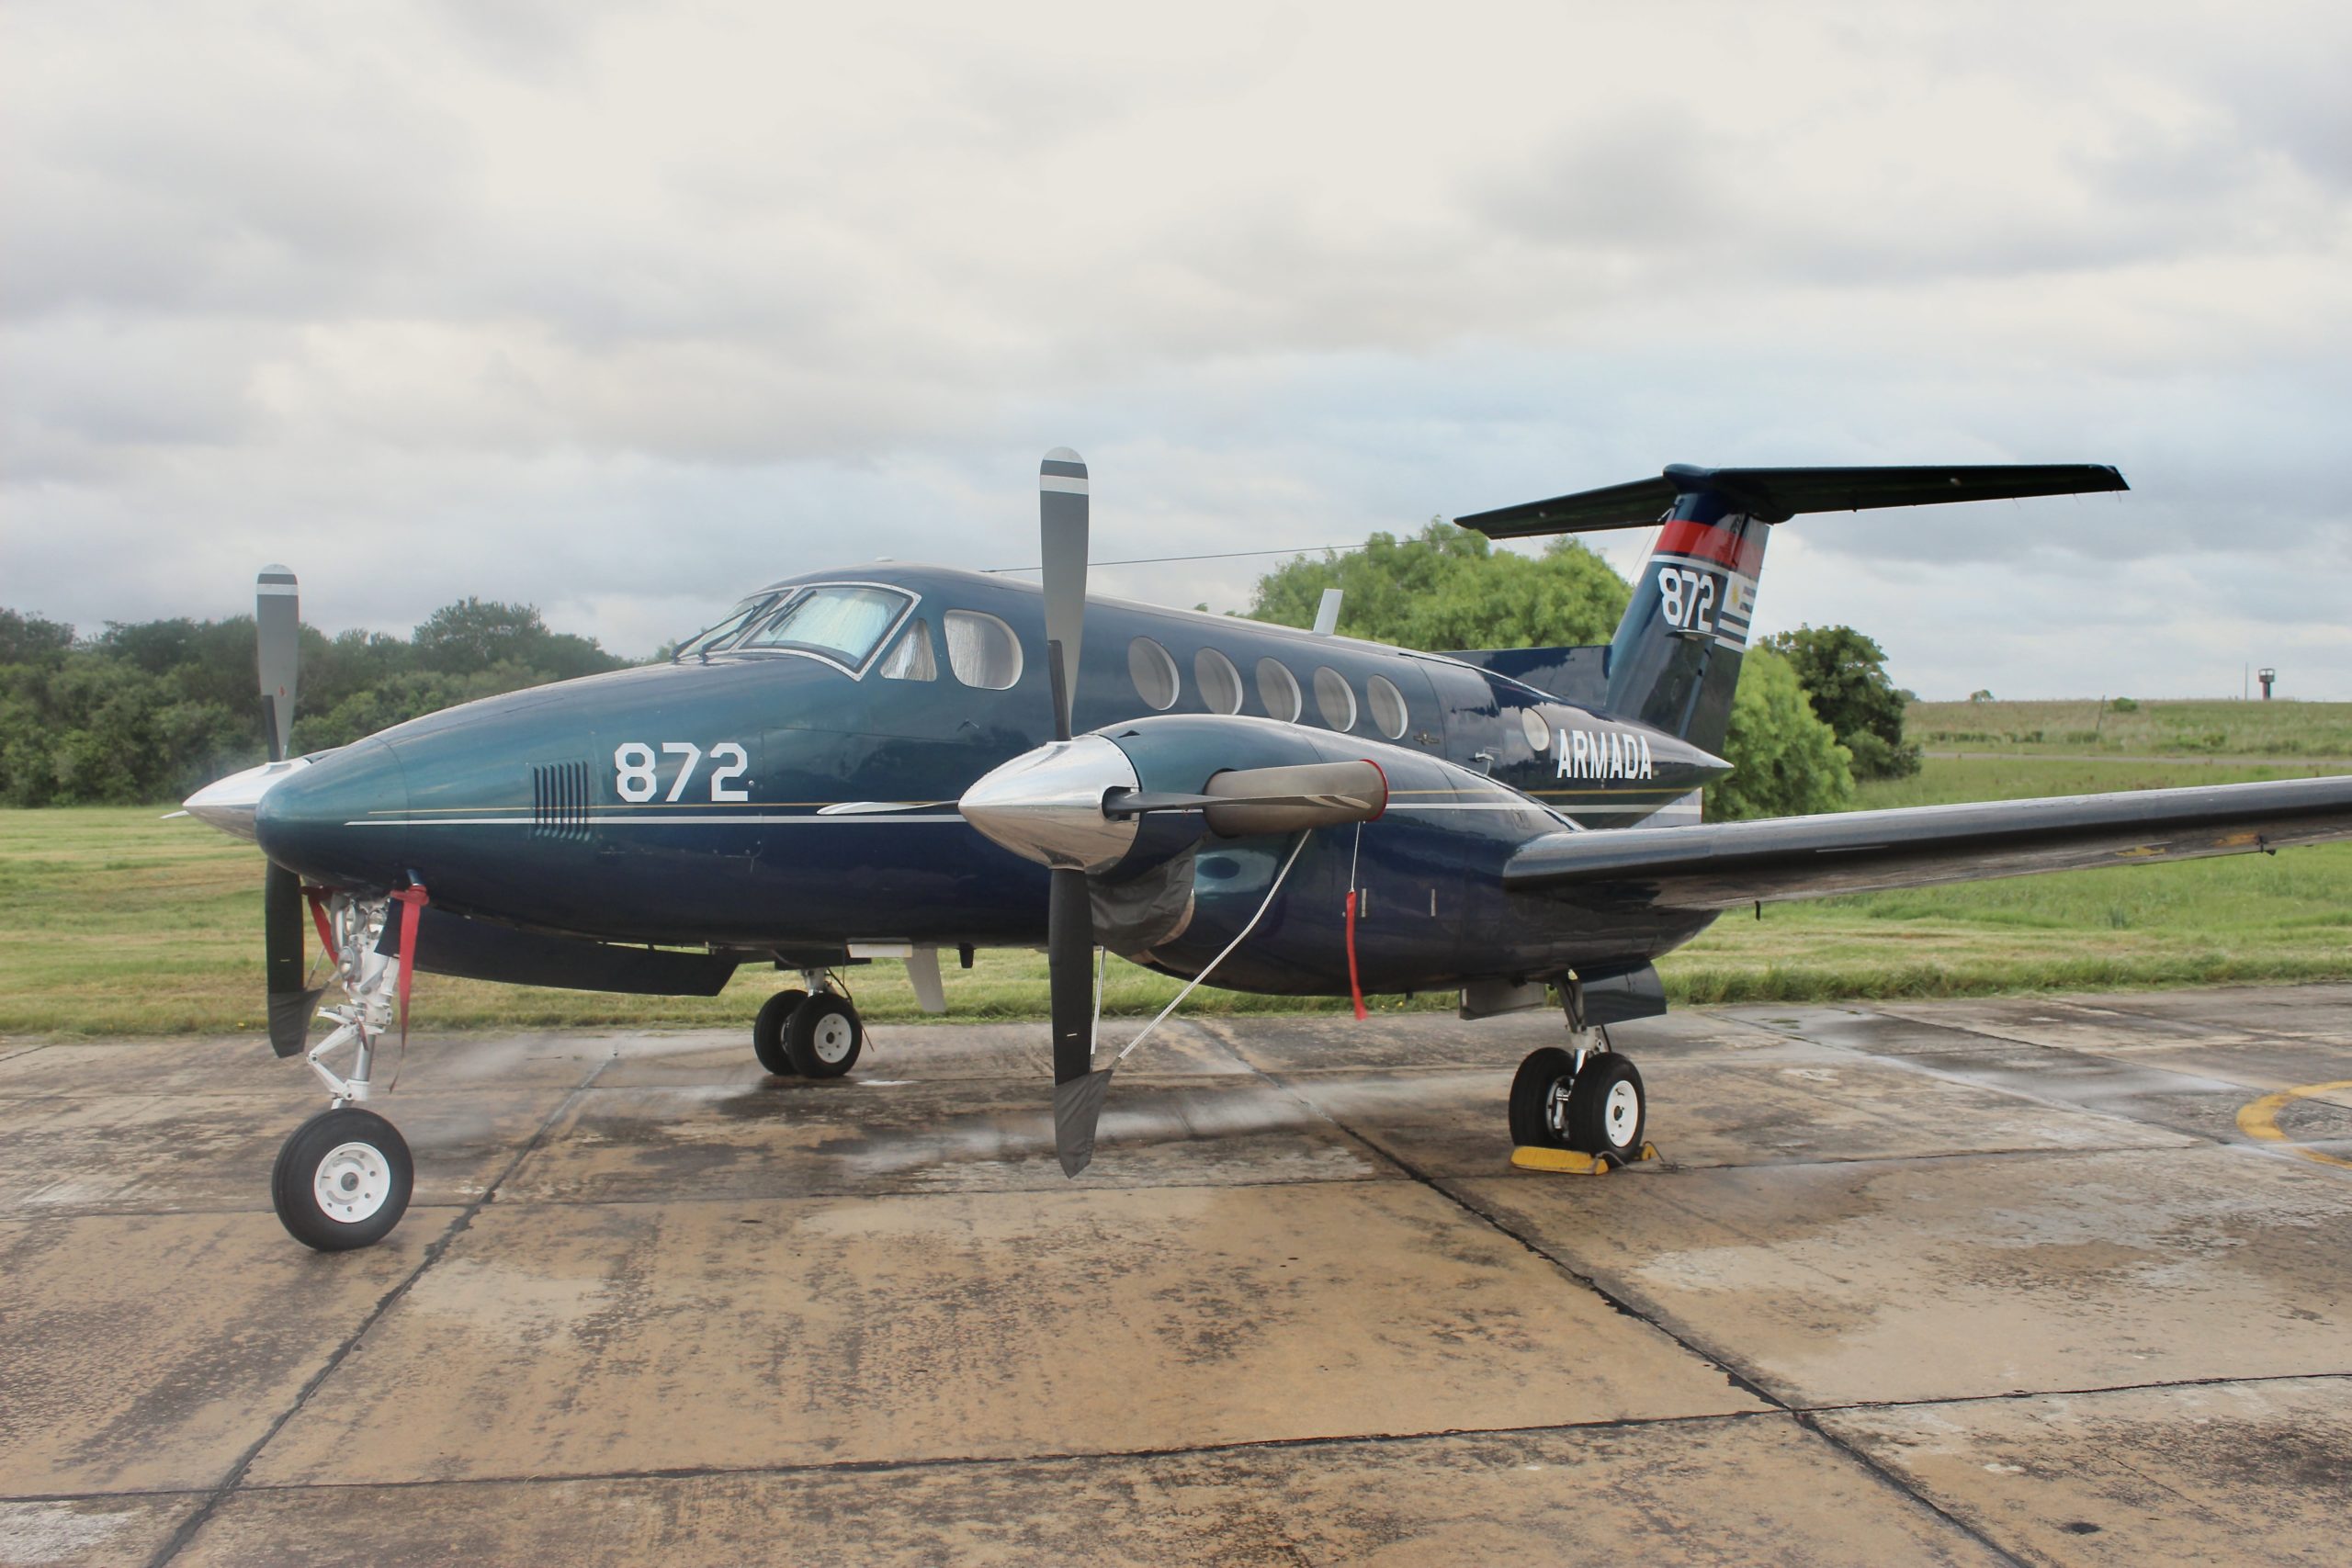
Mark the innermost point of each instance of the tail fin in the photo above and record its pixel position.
(1674, 663)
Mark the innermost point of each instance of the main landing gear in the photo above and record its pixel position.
(1588, 1100)
(812, 1032)
(1583, 1101)
(343, 1178)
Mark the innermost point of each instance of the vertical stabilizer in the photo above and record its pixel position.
(1675, 661)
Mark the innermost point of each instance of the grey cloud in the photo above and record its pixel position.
(621, 312)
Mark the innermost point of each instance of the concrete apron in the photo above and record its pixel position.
(1942, 1283)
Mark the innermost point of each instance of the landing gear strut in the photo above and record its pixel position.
(343, 1178)
(813, 1033)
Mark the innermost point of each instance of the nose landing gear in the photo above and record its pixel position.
(811, 1034)
(343, 1179)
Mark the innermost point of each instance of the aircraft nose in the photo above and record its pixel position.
(342, 821)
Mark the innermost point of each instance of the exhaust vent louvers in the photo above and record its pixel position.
(559, 800)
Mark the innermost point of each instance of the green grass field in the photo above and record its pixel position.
(114, 922)
(2092, 728)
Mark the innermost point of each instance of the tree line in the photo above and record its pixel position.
(152, 710)
(1814, 710)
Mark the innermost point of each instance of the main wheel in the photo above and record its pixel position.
(343, 1180)
(767, 1031)
(1538, 1112)
(1607, 1109)
(824, 1036)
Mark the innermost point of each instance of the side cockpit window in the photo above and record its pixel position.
(842, 621)
(727, 630)
(982, 650)
(911, 659)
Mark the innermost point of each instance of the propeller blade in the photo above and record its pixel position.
(277, 622)
(290, 1006)
(1062, 517)
(1077, 1107)
(1069, 965)
(1062, 514)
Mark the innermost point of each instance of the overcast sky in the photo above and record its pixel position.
(622, 310)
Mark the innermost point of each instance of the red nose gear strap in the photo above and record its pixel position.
(413, 901)
(318, 897)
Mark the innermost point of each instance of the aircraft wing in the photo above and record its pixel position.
(1723, 865)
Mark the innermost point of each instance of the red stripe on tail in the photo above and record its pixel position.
(1706, 541)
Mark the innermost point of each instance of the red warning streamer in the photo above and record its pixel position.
(413, 901)
(318, 897)
(1355, 985)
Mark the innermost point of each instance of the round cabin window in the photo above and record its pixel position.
(1335, 698)
(1154, 673)
(1387, 705)
(1538, 731)
(1278, 690)
(1219, 682)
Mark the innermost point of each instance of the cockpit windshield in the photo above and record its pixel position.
(839, 620)
(718, 637)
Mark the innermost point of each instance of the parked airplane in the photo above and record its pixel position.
(894, 760)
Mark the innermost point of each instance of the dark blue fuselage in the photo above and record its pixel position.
(792, 803)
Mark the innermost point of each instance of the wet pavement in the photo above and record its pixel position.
(2028, 1280)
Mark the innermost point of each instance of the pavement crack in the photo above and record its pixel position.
(1050, 1456)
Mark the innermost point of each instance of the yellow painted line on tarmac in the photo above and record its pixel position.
(2260, 1120)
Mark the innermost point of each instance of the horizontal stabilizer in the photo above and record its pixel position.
(1775, 495)
(1724, 865)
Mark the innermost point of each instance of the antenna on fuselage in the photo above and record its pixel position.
(1327, 614)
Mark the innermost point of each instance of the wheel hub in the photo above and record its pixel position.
(352, 1182)
(832, 1038)
(1622, 1113)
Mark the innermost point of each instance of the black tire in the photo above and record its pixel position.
(1531, 1093)
(767, 1031)
(1608, 1108)
(824, 1037)
(343, 1180)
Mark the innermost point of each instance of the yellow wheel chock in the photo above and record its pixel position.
(1575, 1162)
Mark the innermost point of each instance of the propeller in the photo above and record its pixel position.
(277, 626)
(1062, 528)
(1075, 806)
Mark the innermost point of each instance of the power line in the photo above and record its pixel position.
(1220, 555)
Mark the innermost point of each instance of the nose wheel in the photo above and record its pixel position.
(1594, 1105)
(343, 1180)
